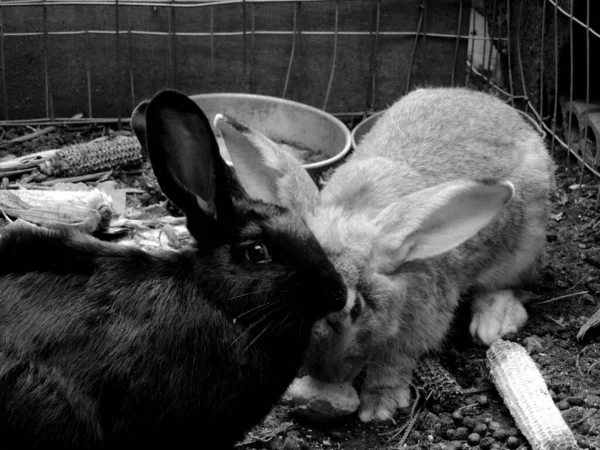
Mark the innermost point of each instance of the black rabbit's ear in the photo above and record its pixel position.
(188, 166)
(138, 123)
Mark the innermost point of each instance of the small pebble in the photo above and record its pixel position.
(483, 400)
(496, 446)
(514, 432)
(337, 435)
(592, 400)
(446, 420)
(471, 400)
(480, 428)
(438, 446)
(573, 414)
(582, 442)
(291, 444)
(575, 401)
(473, 439)
(457, 417)
(493, 426)
(469, 422)
(431, 422)
(462, 433)
(451, 434)
(435, 408)
(500, 434)
(488, 420)
(486, 443)
(563, 404)
(513, 442)
(553, 395)
(429, 433)
(455, 445)
(561, 396)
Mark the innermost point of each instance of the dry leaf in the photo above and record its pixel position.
(564, 199)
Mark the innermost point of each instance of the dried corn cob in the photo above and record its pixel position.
(87, 210)
(437, 382)
(95, 156)
(526, 395)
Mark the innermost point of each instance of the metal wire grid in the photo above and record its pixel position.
(547, 120)
(247, 35)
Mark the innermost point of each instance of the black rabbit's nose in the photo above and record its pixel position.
(337, 296)
(332, 291)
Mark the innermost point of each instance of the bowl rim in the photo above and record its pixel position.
(362, 122)
(319, 112)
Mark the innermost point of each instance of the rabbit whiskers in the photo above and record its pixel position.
(264, 317)
(246, 294)
(280, 326)
(256, 309)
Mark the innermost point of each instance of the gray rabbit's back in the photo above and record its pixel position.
(450, 128)
(435, 135)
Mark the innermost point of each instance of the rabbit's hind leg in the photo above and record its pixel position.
(497, 310)
(495, 315)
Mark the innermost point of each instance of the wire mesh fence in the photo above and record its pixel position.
(351, 58)
(545, 67)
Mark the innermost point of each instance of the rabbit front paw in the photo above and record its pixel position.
(495, 315)
(381, 404)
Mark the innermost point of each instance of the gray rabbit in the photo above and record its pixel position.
(447, 194)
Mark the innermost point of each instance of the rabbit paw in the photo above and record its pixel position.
(495, 315)
(381, 404)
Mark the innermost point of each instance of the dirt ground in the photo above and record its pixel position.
(566, 295)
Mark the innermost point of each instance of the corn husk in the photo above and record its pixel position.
(92, 157)
(526, 395)
(89, 211)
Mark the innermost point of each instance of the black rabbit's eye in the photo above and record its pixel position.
(258, 253)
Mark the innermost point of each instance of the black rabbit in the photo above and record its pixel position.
(106, 346)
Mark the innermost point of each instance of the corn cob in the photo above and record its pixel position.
(437, 382)
(92, 157)
(526, 395)
(86, 210)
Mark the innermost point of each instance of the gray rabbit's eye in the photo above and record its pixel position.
(258, 253)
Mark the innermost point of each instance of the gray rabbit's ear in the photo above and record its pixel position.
(265, 170)
(435, 220)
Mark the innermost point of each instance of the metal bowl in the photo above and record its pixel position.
(290, 123)
(363, 128)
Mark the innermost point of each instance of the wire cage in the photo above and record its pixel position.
(350, 58)
(544, 66)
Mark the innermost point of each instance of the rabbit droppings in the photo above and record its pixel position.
(447, 194)
(104, 346)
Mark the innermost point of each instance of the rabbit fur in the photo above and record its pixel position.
(105, 346)
(446, 195)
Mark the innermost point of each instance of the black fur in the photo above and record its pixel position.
(104, 346)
